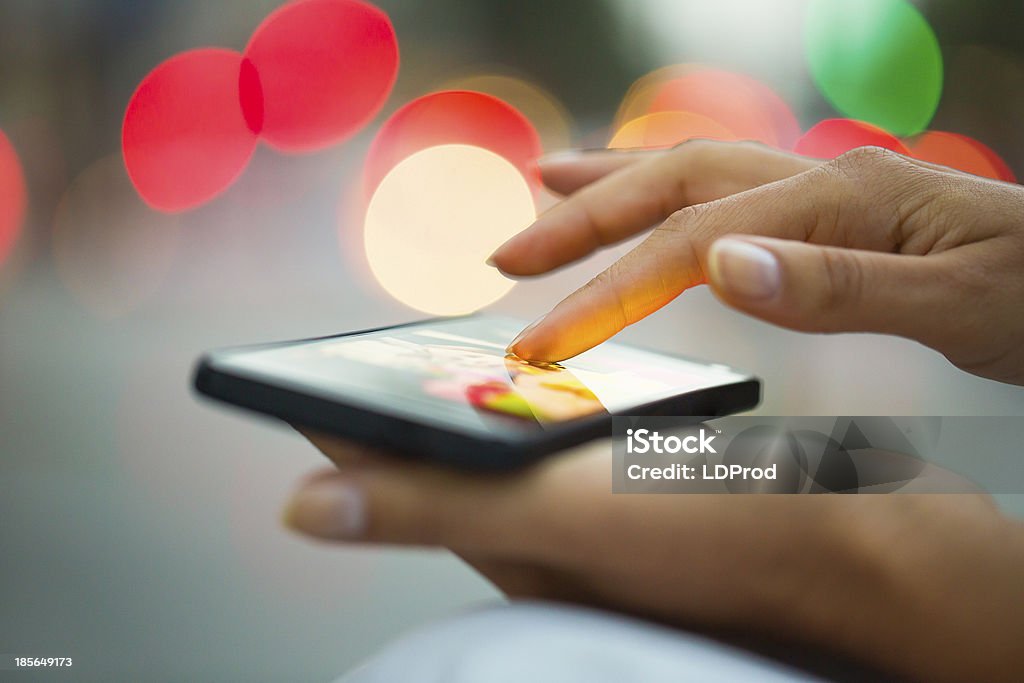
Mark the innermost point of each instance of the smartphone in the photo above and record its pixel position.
(445, 390)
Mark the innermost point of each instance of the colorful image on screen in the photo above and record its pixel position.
(457, 372)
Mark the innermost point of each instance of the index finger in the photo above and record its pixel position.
(639, 195)
(566, 172)
(667, 263)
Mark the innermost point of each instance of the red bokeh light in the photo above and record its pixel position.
(326, 68)
(833, 137)
(12, 197)
(960, 152)
(186, 137)
(747, 107)
(454, 117)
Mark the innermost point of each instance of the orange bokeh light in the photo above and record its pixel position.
(666, 128)
(960, 152)
(749, 109)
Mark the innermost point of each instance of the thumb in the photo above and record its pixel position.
(410, 503)
(815, 288)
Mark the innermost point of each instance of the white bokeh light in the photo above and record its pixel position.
(434, 220)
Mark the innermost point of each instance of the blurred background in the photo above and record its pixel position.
(139, 526)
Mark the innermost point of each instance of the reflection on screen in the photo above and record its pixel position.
(457, 372)
(469, 371)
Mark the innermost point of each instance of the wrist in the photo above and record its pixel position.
(926, 586)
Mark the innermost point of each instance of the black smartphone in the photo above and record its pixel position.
(445, 390)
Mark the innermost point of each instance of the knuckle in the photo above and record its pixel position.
(866, 159)
(868, 156)
(608, 283)
(701, 149)
(695, 146)
(688, 232)
(681, 246)
(604, 280)
(682, 220)
(872, 186)
(701, 224)
(690, 221)
(703, 153)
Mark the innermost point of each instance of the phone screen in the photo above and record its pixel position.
(455, 373)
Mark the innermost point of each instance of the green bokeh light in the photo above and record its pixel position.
(875, 60)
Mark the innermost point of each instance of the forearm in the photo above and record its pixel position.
(932, 588)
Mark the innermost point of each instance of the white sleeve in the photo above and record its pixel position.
(528, 642)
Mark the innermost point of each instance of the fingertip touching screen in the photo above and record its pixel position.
(455, 373)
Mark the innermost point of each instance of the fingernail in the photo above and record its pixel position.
(328, 509)
(744, 269)
(492, 260)
(511, 348)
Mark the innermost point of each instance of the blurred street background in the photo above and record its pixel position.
(139, 526)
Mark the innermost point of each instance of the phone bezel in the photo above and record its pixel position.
(347, 419)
